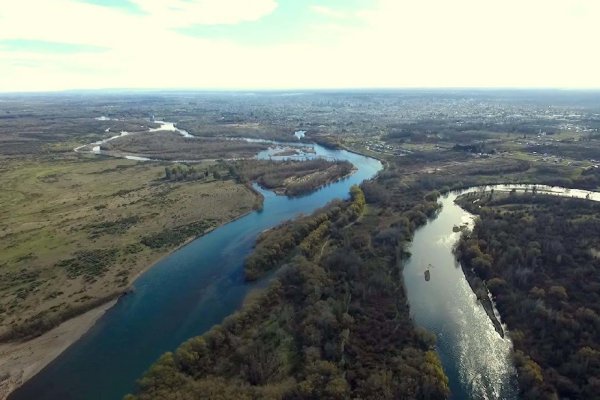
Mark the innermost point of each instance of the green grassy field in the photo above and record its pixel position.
(76, 229)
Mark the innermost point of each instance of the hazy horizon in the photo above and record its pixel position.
(304, 90)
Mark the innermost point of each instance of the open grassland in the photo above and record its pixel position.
(43, 131)
(168, 146)
(75, 231)
(237, 129)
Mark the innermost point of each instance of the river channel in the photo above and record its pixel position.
(476, 359)
(182, 296)
(195, 287)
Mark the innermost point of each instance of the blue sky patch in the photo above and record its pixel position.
(124, 5)
(42, 46)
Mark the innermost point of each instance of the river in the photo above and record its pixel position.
(195, 287)
(476, 359)
(183, 295)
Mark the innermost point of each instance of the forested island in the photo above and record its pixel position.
(538, 255)
(292, 177)
(334, 323)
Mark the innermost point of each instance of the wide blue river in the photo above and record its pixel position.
(195, 287)
(183, 295)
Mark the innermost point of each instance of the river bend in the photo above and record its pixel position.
(181, 296)
(195, 287)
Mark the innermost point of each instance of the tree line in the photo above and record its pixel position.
(537, 255)
(333, 324)
(276, 245)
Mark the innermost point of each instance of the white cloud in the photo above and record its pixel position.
(207, 12)
(75, 22)
(397, 44)
(328, 12)
(478, 43)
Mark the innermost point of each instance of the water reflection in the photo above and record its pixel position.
(475, 358)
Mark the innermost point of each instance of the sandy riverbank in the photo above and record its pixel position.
(19, 361)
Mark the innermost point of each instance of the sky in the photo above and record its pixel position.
(50, 45)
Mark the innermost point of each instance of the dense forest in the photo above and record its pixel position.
(334, 322)
(304, 235)
(539, 257)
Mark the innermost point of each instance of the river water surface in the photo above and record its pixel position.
(475, 358)
(183, 295)
(195, 287)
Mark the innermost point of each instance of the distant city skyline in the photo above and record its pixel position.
(291, 44)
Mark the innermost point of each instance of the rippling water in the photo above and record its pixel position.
(475, 358)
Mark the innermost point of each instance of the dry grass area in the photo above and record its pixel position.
(26, 135)
(168, 146)
(75, 230)
(240, 128)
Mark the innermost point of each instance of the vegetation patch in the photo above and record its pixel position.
(177, 235)
(171, 146)
(89, 263)
(292, 177)
(15, 278)
(277, 244)
(119, 226)
(333, 324)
